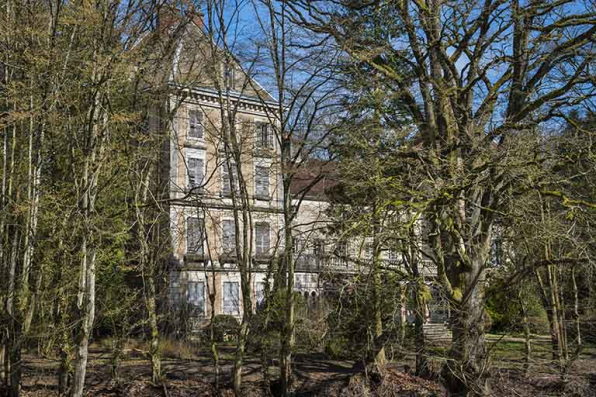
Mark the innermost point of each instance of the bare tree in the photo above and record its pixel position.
(469, 98)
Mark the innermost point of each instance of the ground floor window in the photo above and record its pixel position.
(195, 298)
(260, 294)
(231, 298)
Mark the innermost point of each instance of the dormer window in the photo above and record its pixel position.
(264, 138)
(195, 124)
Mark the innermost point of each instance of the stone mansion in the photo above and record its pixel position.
(203, 180)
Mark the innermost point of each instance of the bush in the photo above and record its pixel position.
(338, 348)
(225, 328)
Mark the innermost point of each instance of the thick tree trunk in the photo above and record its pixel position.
(65, 369)
(380, 358)
(465, 371)
(14, 355)
(548, 301)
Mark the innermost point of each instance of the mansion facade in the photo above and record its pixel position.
(202, 173)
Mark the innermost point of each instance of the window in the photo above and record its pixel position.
(231, 303)
(300, 281)
(174, 289)
(195, 298)
(195, 235)
(228, 238)
(262, 181)
(230, 77)
(341, 249)
(226, 186)
(264, 135)
(262, 232)
(196, 172)
(318, 248)
(369, 250)
(195, 124)
(260, 294)
(296, 245)
(392, 255)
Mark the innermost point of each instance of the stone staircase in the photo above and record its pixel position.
(437, 332)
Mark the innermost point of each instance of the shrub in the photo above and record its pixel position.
(225, 328)
(181, 349)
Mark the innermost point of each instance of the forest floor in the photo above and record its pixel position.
(192, 373)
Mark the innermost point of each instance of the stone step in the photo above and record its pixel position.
(437, 331)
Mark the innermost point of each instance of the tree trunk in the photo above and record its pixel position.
(380, 357)
(287, 334)
(2, 359)
(239, 359)
(465, 371)
(212, 342)
(403, 302)
(154, 351)
(86, 316)
(422, 368)
(576, 316)
(527, 336)
(65, 370)
(552, 314)
(13, 362)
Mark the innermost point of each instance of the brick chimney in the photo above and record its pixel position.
(169, 17)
